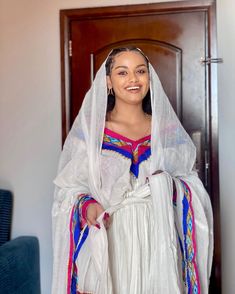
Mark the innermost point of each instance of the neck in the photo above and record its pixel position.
(127, 113)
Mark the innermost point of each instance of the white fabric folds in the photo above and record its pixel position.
(156, 242)
(166, 247)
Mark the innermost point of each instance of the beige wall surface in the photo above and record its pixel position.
(30, 117)
(226, 91)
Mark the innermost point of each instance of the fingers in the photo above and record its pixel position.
(88, 223)
(106, 221)
(96, 224)
(99, 210)
(94, 210)
(93, 223)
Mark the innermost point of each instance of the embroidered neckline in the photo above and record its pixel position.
(124, 138)
(136, 150)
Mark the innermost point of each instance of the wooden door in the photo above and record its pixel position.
(176, 40)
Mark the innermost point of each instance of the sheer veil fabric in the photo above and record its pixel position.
(172, 151)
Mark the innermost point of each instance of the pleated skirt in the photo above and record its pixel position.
(131, 246)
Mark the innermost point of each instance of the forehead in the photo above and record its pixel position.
(128, 57)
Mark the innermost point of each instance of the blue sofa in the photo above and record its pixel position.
(19, 258)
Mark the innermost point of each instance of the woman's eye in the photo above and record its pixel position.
(141, 71)
(122, 73)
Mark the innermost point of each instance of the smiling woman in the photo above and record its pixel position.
(129, 209)
(128, 80)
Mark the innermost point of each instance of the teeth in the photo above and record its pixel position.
(133, 88)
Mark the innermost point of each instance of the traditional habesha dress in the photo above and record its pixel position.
(157, 243)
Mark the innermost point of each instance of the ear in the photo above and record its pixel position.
(109, 83)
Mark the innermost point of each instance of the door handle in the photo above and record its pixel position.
(209, 60)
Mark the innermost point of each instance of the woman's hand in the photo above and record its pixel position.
(94, 210)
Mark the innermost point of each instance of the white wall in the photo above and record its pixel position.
(226, 88)
(30, 117)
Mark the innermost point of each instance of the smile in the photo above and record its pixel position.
(133, 88)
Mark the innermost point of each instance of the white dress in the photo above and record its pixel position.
(140, 252)
(130, 237)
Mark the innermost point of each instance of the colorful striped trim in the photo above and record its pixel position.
(190, 266)
(125, 139)
(85, 206)
(138, 151)
(135, 165)
(83, 201)
(77, 239)
(174, 198)
(182, 254)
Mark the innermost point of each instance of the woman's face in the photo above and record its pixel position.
(129, 77)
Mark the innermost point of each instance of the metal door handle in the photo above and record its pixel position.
(209, 60)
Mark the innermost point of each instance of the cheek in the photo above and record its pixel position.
(147, 83)
(117, 85)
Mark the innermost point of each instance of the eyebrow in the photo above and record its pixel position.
(123, 66)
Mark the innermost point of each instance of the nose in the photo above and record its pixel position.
(134, 77)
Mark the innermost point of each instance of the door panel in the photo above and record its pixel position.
(175, 36)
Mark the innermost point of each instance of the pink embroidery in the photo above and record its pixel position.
(85, 206)
(71, 249)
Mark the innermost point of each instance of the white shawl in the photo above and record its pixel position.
(79, 172)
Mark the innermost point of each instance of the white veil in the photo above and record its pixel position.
(172, 151)
(171, 147)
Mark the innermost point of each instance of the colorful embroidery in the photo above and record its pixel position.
(84, 201)
(77, 239)
(190, 274)
(178, 236)
(138, 151)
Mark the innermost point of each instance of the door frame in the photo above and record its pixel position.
(207, 6)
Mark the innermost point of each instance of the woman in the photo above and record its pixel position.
(130, 215)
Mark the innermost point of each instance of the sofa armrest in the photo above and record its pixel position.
(19, 266)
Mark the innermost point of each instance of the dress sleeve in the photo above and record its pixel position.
(71, 181)
(194, 227)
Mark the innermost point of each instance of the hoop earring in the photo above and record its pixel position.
(110, 91)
